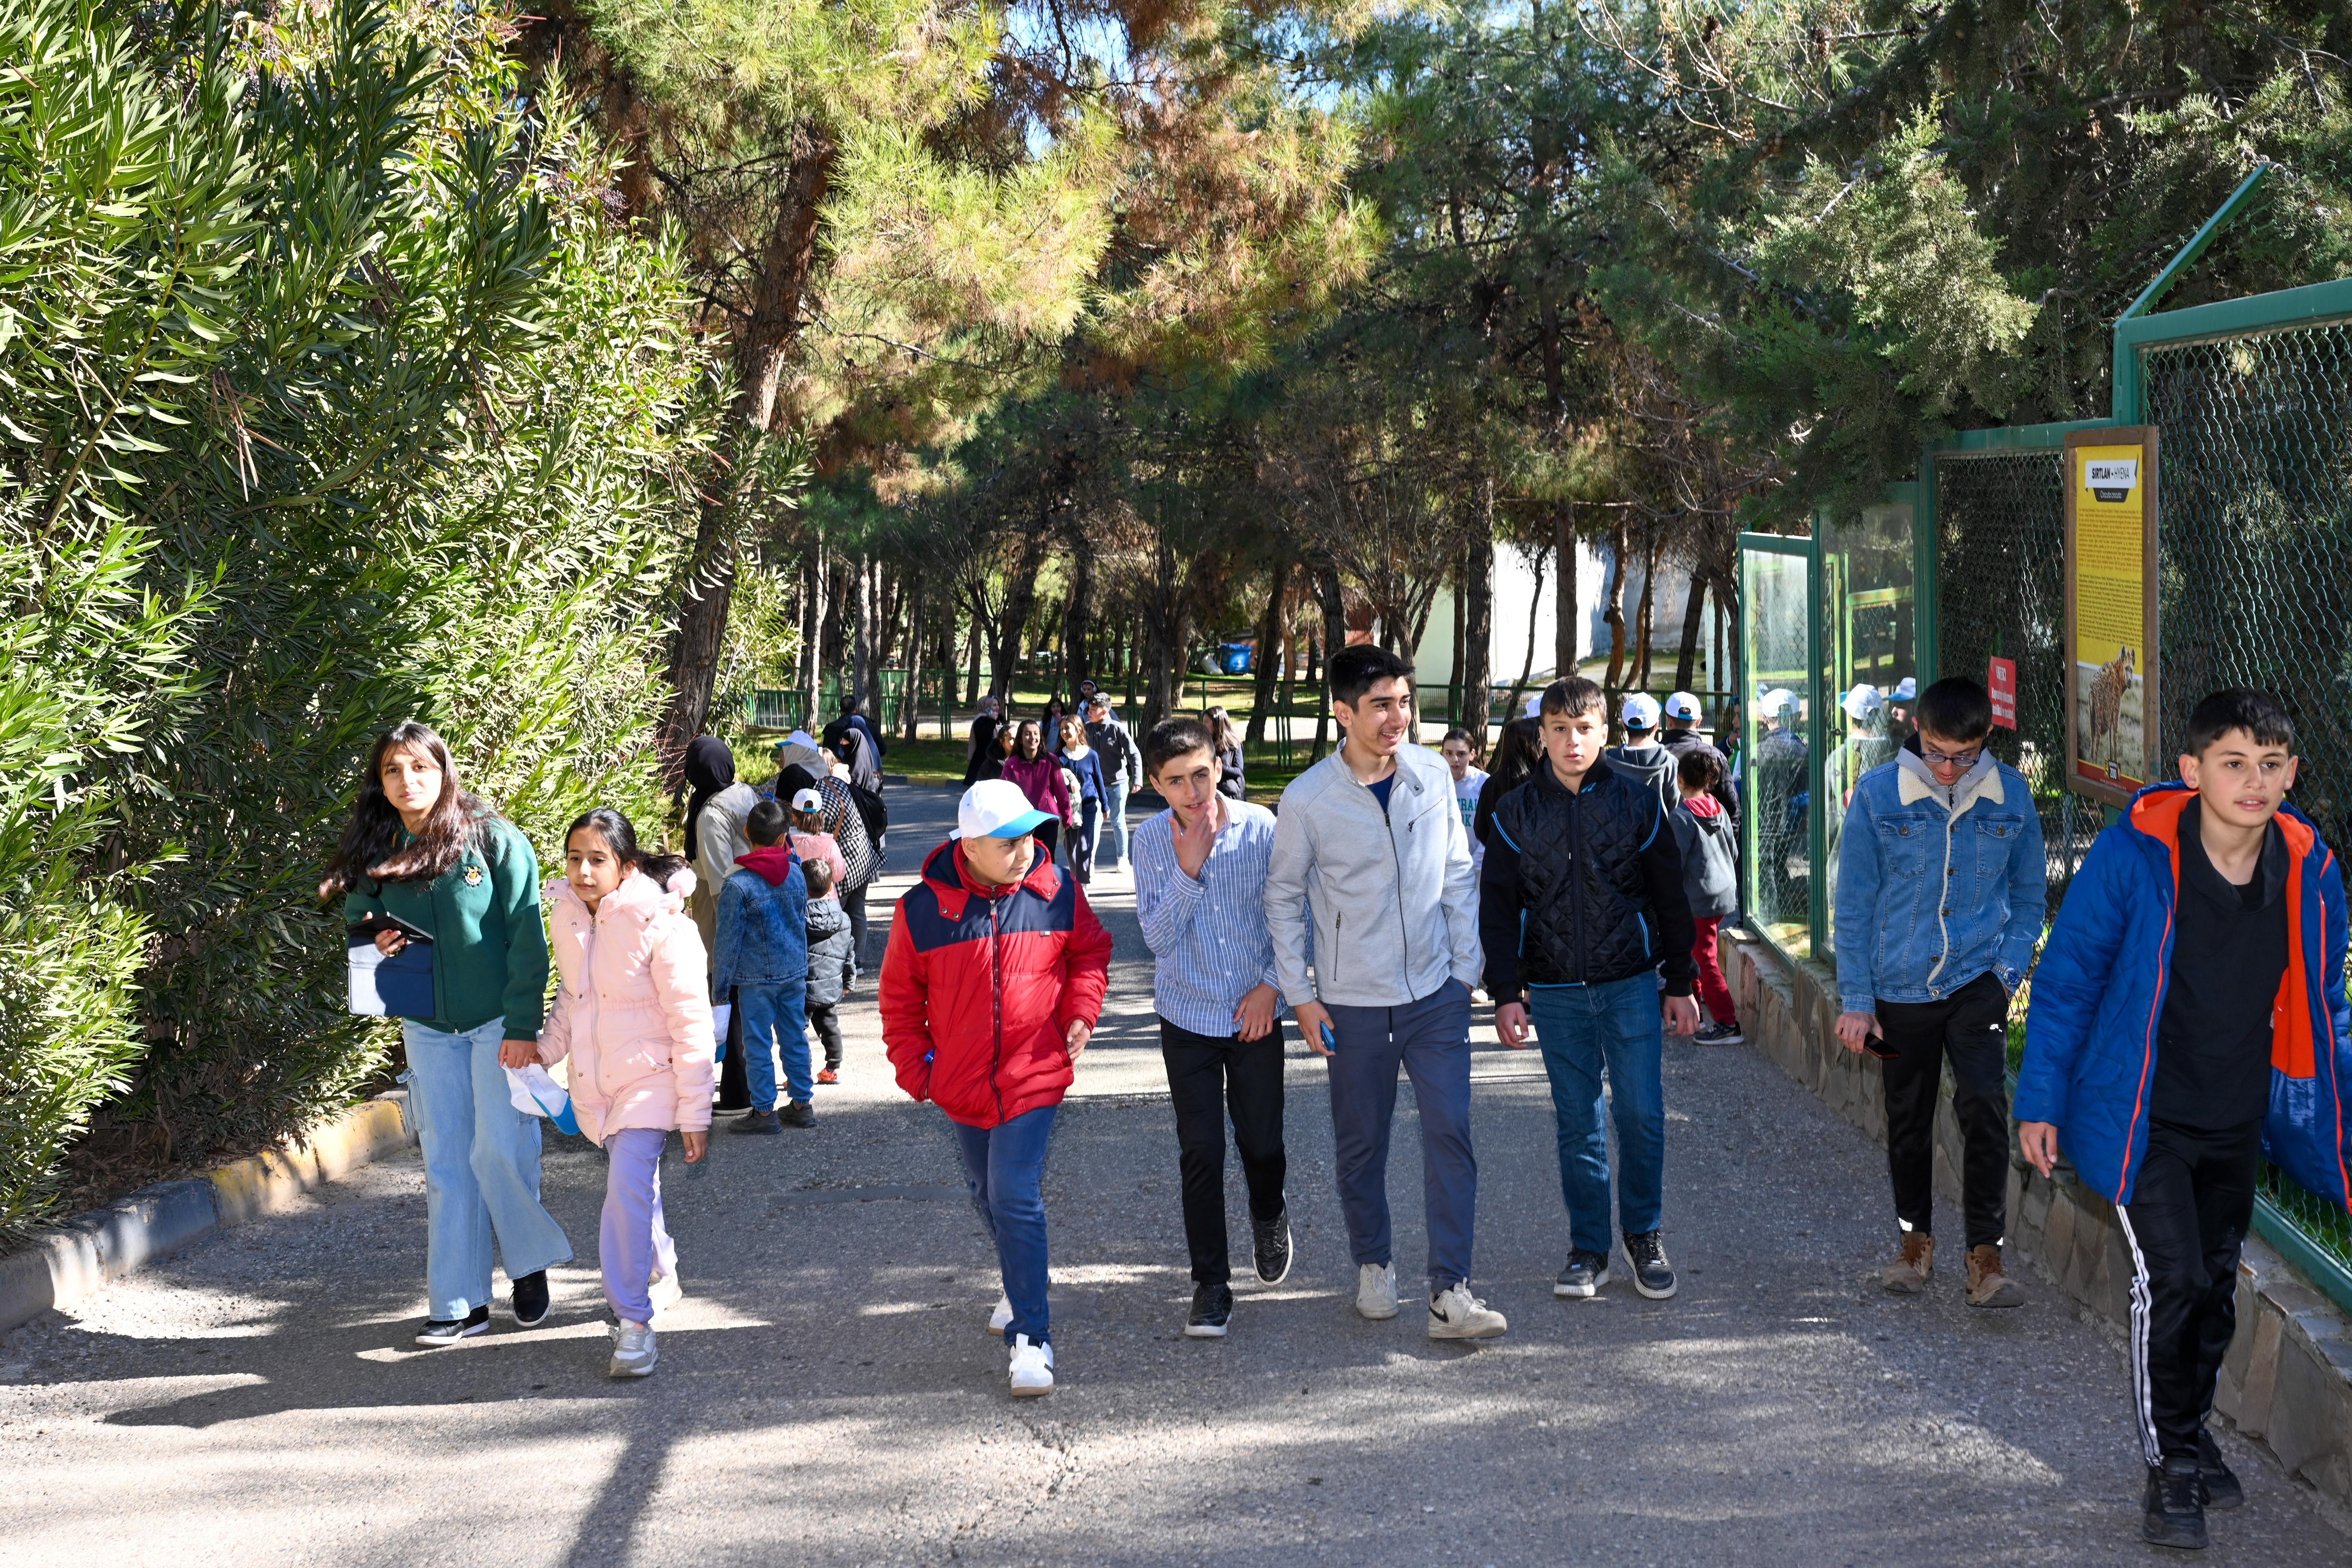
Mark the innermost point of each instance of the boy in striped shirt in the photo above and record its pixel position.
(1200, 879)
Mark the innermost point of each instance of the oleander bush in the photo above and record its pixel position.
(331, 392)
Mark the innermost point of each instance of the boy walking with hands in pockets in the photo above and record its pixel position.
(2188, 1016)
(1200, 894)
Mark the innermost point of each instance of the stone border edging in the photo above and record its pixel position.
(2287, 1380)
(76, 1260)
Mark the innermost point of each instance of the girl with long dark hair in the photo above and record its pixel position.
(1516, 757)
(422, 849)
(633, 1012)
(1040, 778)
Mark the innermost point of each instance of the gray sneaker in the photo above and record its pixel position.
(1376, 1295)
(632, 1352)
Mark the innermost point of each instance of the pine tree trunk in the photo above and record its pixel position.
(913, 704)
(1455, 704)
(972, 663)
(785, 263)
(812, 636)
(862, 631)
(1694, 618)
(1527, 665)
(1078, 623)
(1615, 613)
(1160, 626)
(1268, 657)
(1013, 624)
(1474, 674)
(1645, 615)
(1335, 638)
(1565, 639)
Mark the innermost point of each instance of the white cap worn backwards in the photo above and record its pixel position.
(1683, 705)
(995, 808)
(1639, 711)
(808, 800)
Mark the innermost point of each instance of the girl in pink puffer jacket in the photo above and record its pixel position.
(633, 1012)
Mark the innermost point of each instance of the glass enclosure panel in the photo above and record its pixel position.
(1775, 791)
(1868, 663)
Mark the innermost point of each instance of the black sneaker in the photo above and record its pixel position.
(1582, 1279)
(1652, 1276)
(529, 1298)
(1212, 1308)
(1722, 1035)
(796, 1113)
(449, 1330)
(1272, 1245)
(2174, 1509)
(2222, 1489)
(758, 1121)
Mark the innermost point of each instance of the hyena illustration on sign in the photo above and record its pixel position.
(2106, 727)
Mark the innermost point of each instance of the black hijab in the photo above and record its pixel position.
(709, 768)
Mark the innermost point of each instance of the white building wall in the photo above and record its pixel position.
(1514, 587)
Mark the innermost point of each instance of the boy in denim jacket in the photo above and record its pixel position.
(1940, 892)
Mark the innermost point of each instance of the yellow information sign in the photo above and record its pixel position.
(2111, 611)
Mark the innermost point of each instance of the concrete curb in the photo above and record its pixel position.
(63, 1267)
(2287, 1380)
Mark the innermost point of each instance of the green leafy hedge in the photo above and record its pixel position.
(329, 394)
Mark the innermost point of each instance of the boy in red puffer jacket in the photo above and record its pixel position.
(991, 988)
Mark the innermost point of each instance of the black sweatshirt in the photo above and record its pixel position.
(2228, 955)
(1583, 890)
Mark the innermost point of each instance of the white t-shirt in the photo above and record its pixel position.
(1465, 795)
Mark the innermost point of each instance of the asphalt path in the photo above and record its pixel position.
(827, 1393)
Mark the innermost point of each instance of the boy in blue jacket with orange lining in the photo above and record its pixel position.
(2188, 1017)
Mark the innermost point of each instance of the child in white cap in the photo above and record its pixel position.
(1641, 755)
(991, 988)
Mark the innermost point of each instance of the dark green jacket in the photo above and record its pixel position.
(489, 943)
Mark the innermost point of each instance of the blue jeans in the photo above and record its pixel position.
(1117, 811)
(1582, 1030)
(481, 1168)
(775, 1023)
(1430, 1040)
(1004, 1170)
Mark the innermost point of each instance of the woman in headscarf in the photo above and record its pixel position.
(983, 744)
(718, 810)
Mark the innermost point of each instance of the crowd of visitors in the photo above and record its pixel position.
(2188, 1013)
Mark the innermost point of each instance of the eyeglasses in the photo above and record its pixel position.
(1963, 760)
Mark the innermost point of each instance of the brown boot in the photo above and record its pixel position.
(1909, 1274)
(1988, 1286)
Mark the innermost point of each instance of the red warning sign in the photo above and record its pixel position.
(2000, 680)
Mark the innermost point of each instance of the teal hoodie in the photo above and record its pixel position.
(489, 942)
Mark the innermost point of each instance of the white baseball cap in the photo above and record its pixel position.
(1534, 710)
(1683, 705)
(1861, 701)
(1639, 711)
(995, 808)
(1906, 690)
(808, 800)
(1779, 701)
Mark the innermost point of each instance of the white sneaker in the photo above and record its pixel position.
(665, 1291)
(1032, 1368)
(632, 1352)
(1002, 1318)
(1376, 1296)
(1455, 1314)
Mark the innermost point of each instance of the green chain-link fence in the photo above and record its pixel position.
(2000, 579)
(2255, 487)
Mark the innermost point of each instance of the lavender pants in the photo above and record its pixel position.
(634, 1246)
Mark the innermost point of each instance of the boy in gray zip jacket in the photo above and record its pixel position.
(1370, 885)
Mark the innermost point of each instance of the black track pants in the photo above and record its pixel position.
(1208, 1076)
(1971, 1029)
(2190, 1205)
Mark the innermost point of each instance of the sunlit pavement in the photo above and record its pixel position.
(827, 1393)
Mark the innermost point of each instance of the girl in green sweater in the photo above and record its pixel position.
(421, 848)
